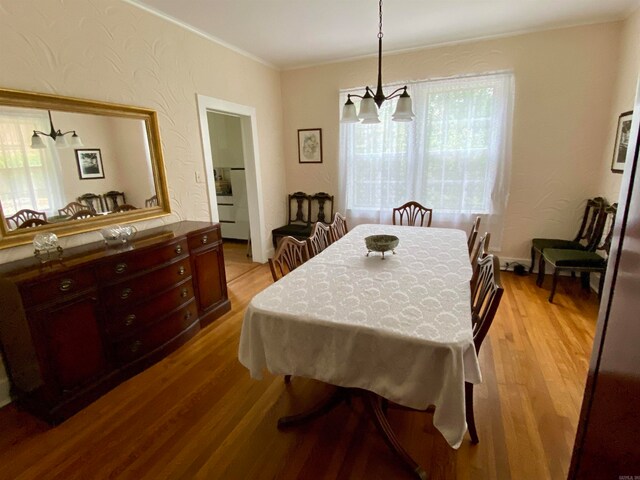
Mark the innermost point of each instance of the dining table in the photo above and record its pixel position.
(397, 328)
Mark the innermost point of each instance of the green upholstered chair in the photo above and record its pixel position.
(583, 261)
(586, 237)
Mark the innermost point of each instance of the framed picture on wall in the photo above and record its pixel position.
(310, 145)
(89, 162)
(622, 142)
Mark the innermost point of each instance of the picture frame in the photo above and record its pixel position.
(310, 145)
(89, 161)
(623, 133)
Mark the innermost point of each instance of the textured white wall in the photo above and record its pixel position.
(623, 101)
(112, 51)
(564, 87)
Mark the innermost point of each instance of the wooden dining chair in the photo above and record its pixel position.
(92, 202)
(86, 213)
(485, 299)
(151, 202)
(113, 199)
(586, 238)
(338, 227)
(481, 251)
(123, 208)
(471, 240)
(413, 214)
(289, 255)
(583, 261)
(71, 208)
(33, 222)
(21, 216)
(319, 240)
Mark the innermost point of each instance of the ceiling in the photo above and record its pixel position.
(294, 33)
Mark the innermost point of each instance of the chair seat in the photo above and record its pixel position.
(574, 258)
(292, 229)
(542, 244)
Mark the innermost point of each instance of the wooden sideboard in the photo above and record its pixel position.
(72, 330)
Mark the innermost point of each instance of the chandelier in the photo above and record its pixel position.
(57, 135)
(371, 102)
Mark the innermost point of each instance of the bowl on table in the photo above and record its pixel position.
(381, 243)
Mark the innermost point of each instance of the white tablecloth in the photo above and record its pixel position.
(399, 327)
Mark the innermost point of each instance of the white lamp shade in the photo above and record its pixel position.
(404, 112)
(76, 141)
(36, 141)
(61, 141)
(349, 114)
(368, 110)
(371, 120)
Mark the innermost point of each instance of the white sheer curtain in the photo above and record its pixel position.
(454, 157)
(29, 178)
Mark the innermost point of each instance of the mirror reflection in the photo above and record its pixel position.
(59, 166)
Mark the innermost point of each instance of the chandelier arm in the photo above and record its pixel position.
(397, 92)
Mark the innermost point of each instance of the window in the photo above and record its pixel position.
(453, 157)
(28, 177)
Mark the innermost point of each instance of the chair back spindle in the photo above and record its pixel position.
(319, 240)
(338, 227)
(473, 234)
(412, 214)
(289, 255)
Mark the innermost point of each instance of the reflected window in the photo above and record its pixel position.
(29, 178)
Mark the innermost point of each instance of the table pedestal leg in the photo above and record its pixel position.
(375, 407)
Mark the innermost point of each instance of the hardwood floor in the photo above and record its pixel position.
(198, 414)
(236, 261)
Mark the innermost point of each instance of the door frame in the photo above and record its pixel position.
(255, 198)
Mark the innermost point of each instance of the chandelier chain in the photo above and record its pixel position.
(380, 35)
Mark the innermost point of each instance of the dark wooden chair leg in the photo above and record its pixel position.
(585, 279)
(287, 379)
(533, 259)
(541, 271)
(553, 285)
(373, 404)
(471, 420)
(601, 284)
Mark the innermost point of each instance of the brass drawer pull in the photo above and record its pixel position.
(129, 319)
(178, 249)
(121, 267)
(205, 239)
(135, 346)
(65, 285)
(184, 293)
(126, 293)
(181, 270)
(187, 315)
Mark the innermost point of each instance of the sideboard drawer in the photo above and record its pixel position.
(133, 290)
(128, 320)
(204, 238)
(130, 264)
(58, 287)
(155, 335)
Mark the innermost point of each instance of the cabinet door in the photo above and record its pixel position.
(72, 346)
(210, 279)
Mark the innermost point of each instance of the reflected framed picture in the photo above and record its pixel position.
(310, 145)
(89, 162)
(622, 142)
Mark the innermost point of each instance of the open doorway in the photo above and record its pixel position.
(232, 173)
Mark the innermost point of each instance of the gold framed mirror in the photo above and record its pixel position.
(69, 165)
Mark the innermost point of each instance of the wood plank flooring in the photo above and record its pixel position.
(198, 414)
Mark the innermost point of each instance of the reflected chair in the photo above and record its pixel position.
(71, 208)
(21, 216)
(114, 199)
(471, 240)
(583, 261)
(125, 207)
(485, 299)
(86, 213)
(338, 227)
(151, 202)
(289, 255)
(585, 238)
(412, 214)
(92, 201)
(33, 222)
(299, 222)
(319, 240)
